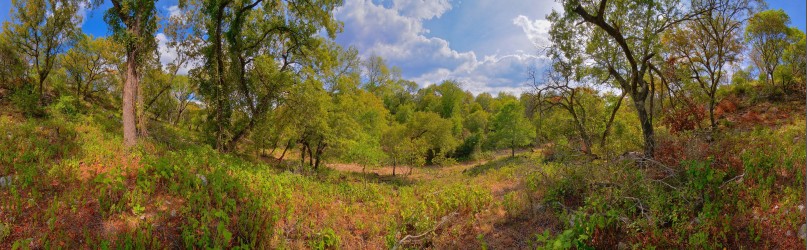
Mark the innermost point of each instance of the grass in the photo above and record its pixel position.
(74, 185)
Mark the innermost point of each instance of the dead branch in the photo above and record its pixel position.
(408, 238)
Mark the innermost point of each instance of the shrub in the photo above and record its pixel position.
(66, 106)
(325, 239)
(26, 99)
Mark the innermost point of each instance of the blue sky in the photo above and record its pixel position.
(487, 45)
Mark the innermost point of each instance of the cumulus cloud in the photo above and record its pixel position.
(537, 31)
(421, 9)
(168, 55)
(397, 34)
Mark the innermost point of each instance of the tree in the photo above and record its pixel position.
(622, 37)
(795, 58)
(88, 63)
(12, 66)
(710, 42)
(40, 31)
(566, 83)
(511, 128)
(767, 32)
(183, 38)
(435, 133)
(237, 34)
(133, 23)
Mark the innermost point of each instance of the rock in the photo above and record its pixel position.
(6, 180)
(202, 178)
(173, 213)
(803, 231)
(801, 208)
(622, 245)
(789, 233)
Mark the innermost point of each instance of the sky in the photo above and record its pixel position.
(486, 45)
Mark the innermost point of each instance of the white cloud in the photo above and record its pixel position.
(168, 55)
(174, 11)
(537, 31)
(421, 9)
(397, 34)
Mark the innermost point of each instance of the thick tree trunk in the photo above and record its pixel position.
(129, 91)
(647, 128)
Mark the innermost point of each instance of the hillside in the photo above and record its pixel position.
(70, 183)
(404, 124)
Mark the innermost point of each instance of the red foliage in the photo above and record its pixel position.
(726, 106)
(687, 117)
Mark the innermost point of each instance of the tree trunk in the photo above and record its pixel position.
(302, 155)
(288, 145)
(611, 120)
(311, 157)
(129, 91)
(647, 128)
(320, 147)
(712, 112)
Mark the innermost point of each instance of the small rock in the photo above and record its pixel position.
(173, 213)
(8, 134)
(789, 233)
(801, 208)
(142, 217)
(202, 178)
(803, 231)
(622, 245)
(6, 180)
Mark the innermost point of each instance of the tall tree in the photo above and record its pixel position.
(40, 30)
(623, 38)
(767, 32)
(709, 43)
(133, 23)
(511, 128)
(238, 32)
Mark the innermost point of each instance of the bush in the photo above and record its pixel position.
(66, 106)
(27, 100)
(325, 239)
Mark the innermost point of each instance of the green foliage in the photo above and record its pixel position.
(510, 128)
(767, 32)
(26, 99)
(65, 106)
(325, 239)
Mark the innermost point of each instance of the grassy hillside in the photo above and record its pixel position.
(68, 183)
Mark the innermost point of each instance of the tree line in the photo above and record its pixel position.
(266, 77)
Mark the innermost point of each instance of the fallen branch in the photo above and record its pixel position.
(732, 179)
(408, 238)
